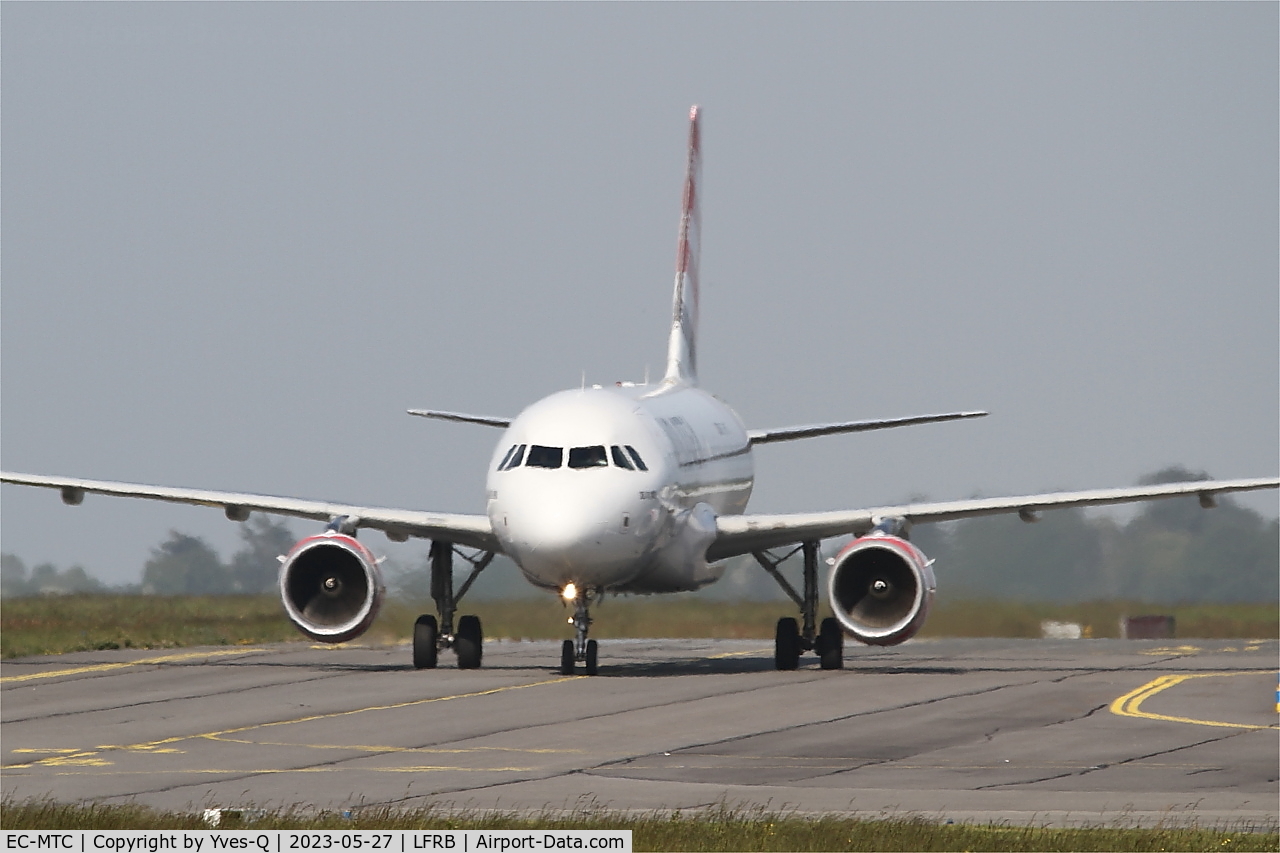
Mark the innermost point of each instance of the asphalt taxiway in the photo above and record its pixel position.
(1067, 732)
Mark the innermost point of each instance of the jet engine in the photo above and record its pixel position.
(331, 587)
(881, 588)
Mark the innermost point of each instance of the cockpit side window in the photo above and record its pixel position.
(516, 458)
(588, 457)
(544, 457)
(502, 466)
(620, 459)
(636, 458)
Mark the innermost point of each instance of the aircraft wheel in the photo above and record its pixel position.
(469, 642)
(830, 645)
(425, 634)
(786, 644)
(593, 651)
(566, 657)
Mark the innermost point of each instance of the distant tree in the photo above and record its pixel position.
(75, 579)
(254, 568)
(1056, 559)
(184, 564)
(13, 577)
(45, 579)
(1176, 551)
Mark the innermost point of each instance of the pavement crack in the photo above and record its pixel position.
(1087, 770)
(184, 698)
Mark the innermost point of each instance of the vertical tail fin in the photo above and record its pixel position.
(682, 350)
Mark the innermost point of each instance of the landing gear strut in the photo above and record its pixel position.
(429, 634)
(580, 648)
(790, 639)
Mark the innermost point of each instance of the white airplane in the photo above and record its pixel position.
(630, 488)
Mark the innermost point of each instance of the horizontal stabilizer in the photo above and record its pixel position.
(462, 417)
(764, 436)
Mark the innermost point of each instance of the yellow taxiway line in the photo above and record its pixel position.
(106, 667)
(1129, 704)
(91, 757)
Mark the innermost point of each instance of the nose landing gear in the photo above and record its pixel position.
(579, 649)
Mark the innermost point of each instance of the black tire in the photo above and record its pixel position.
(593, 653)
(566, 657)
(469, 642)
(786, 644)
(830, 645)
(425, 634)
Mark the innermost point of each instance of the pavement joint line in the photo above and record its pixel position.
(105, 667)
(374, 748)
(1129, 704)
(89, 756)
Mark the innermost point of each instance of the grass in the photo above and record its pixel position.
(1101, 618)
(72, 623)
(711, 829)
(54, 625)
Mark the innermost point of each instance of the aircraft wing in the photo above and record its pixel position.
(742, 534)
(764, 436)
(462, 417)
(473, 531)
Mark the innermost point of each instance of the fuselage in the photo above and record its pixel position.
(617, 488)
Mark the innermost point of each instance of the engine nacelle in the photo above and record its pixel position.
(331, 587)
(881, 588)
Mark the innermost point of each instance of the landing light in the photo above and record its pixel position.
(569, 593)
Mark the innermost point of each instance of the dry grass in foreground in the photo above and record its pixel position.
(35, 626)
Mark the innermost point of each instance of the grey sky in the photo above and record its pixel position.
(239, 240)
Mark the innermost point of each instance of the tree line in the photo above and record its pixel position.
(181, 565)
(1170, 551)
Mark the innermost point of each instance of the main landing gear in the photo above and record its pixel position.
(791, 639)
(430, 635)
(579, 649)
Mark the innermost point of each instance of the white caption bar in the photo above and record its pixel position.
(294, 841)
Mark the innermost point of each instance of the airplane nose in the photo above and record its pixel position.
(562, 526)
(579, 538)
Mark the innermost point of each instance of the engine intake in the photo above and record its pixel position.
(881, 588)
(331, 587)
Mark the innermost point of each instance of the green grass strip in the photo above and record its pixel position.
(55, 625)
(714, 829)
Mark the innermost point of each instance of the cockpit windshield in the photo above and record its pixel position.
(593, 456)
(588, 457)
(545, 457)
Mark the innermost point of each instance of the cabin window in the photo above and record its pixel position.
(588, 457)
(636, 458)
(545, 457)
(620, 459)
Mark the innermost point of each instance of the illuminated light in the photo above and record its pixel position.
(570, 592)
